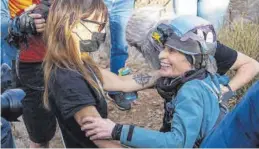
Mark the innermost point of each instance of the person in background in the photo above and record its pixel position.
(240, 128)
(23, 30)
(7, 140)
(11, 107)
(212, 10)
(8, 53)
(119, 13)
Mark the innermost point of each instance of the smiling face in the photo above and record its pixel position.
(173, 63)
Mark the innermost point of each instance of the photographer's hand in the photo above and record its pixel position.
(39, 22)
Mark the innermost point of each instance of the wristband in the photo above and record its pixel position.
(116, 132)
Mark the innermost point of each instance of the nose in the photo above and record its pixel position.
(163, 54)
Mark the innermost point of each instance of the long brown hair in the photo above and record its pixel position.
(61, 50)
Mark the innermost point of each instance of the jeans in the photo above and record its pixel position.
(8, 52)
(119, 13)
(7, 140)
(240, 128)
(211, 10)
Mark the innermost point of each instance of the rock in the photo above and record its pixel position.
(244, 10)
(110, 108)
(133, 110)
(149, 125)
(159, 112)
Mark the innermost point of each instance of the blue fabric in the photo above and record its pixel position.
(240, 128)
(190, 22)
(211, 10)
(196, 111)
(119, 13)
(8, 53)
(7, 140)
(14, 95)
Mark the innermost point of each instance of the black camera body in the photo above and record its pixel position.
(11, 106)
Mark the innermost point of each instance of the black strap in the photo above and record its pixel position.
(130, 133)
(116, 132)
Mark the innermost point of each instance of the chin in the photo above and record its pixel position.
(165, 73)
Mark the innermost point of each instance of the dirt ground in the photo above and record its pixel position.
(147, 114)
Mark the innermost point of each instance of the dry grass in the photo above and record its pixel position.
(243, 37)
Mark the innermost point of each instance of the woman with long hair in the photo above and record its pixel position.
(74, 84)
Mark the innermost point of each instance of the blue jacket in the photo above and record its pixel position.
(196, 109)
(8, 53)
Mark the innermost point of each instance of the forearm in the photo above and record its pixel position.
(244, 75)
(139, 81)
(91, 111)
(128, 83)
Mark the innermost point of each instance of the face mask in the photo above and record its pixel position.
(94, 43)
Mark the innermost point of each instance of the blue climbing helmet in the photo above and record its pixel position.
(190, 35)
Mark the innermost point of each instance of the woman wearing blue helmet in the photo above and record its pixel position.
(190, 87)
(193, 103)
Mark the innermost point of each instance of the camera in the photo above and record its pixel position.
(11, 106)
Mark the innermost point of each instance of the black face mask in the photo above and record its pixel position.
(92, 44)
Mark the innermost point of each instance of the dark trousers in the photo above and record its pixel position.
(40, 122)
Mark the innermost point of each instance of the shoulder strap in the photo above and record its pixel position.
(213, 89)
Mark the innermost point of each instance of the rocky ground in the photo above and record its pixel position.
(150, 110)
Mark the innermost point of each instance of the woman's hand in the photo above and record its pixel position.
(97, 128)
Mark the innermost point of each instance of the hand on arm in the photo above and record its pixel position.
(97, 128)
(90, 112)
(184, 130)
(129, 83)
